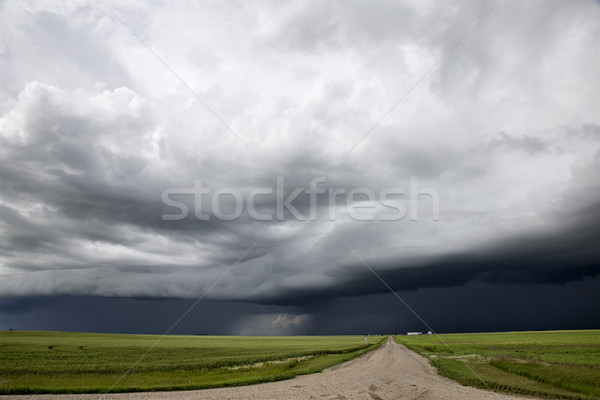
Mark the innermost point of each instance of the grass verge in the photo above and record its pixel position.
(550, 364)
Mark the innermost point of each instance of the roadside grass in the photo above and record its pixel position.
(550, 364)
(63, 362)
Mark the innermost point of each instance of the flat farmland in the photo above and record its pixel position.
(61, 362)
(550, 364)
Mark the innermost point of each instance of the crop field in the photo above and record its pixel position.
(60, 362)
(553, 364)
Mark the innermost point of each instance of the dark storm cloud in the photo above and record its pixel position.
(93, 130)
(475, 307)
(122, 314)
(568, 256)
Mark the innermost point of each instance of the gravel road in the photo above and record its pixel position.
(391, 372)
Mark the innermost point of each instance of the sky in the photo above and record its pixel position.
(318, 167)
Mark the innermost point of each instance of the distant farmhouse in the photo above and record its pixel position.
(413, 333)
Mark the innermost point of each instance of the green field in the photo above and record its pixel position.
(60, 362)
(553, 364)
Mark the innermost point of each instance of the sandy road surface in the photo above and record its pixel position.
(389, 373)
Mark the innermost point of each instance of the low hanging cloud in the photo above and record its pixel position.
(506, 130)
(272, 324)
(286, 322)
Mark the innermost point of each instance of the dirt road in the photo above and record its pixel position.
(391, 372)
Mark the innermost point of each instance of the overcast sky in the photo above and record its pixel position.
(482, 119)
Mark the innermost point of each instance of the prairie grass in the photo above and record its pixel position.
(550, 364)
(62, 362)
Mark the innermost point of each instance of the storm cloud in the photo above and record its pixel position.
(491, 113)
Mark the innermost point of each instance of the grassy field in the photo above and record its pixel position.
(60, 362)
(553, 364)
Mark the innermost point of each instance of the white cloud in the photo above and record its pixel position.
(287, 322)
(94, 128)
